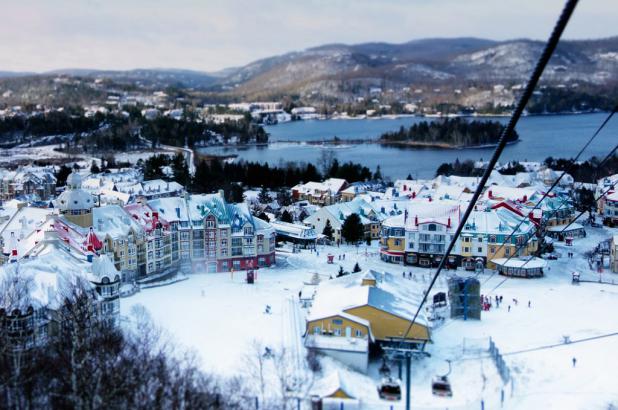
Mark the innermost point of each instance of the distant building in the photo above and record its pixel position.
(320, 193)
(33, 183)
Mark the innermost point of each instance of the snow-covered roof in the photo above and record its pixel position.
(338, 295)
(566, 228)
(173, 209)
(294, 230)
(145, 216)
(114, 221)
(331, 185)
(51, 273)
(21, 223)
(527, 263)
(330, 384)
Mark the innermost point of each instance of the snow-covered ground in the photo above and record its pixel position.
(48, 152)
(220, 317)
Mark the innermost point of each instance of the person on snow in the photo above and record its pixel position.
(574, 361)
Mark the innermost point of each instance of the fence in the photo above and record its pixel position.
(503, 369)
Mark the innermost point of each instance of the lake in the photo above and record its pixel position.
(559, 136)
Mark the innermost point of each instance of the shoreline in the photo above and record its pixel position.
(351, 142)
(441, 116)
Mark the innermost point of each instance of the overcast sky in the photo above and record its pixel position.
(41, 35)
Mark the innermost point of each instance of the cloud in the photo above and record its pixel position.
(42, 35)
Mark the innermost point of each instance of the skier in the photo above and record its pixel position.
(574, 361)
(529, 304)
(509, 308)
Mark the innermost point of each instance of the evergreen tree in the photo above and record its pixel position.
(283, 197)
(234, 193)
(341, 272)
(356, 268)
(377, 176)
(263, 216)
(61, 175)
(352, 229)
(94, 168)
(328, 230)
(286, 217)
(264, 196)
(180, 170)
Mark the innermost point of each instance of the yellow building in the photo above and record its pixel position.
(352, 312)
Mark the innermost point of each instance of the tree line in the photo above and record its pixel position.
(456, 132)
(589, 171)
(214, 174)
(121, 132)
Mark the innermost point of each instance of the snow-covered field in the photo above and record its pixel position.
(219, 317)
(48, 152)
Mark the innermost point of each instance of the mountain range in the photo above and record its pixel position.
(336, 69)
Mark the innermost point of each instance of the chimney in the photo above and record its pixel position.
(155, 220)
(405, 187)
(221, 193)
(525, 198)
(413, 194)
(448, 223)
(490, 194)
(416, 220)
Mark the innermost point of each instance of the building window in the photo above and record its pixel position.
(480, 250)
(316, 330)
(337, 331)
(358, 333)
(337, 322)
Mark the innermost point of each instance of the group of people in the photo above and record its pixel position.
(486, 302)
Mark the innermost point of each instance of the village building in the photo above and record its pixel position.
(155, 253)
(353, 312)
(371, 215)
(530, 267)
(44, 278)
(214, 235)
(34, 183)
(320, 193)
(495, 233)
(297, 234)
(607, 203)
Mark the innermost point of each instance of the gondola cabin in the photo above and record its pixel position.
(441, 387)
(390, 389)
